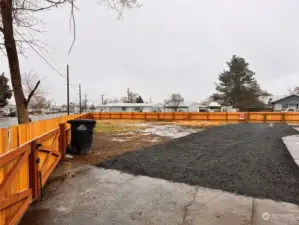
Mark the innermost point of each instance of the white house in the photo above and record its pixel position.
(215, 106)
(183, 107)
(130, 107)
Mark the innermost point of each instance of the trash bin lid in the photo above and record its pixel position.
(82, 121)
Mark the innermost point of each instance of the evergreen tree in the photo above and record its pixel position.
(237, 86)
(139, 99)
(5, 91)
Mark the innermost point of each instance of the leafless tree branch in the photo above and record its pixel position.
(32, 92)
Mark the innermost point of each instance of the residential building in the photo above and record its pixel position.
(183, 107)
(215, 106)
(286, 102)
(130, 107)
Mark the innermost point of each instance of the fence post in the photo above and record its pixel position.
(33, 170)
(265, 118)
(208, 116)
(173, 116)
(62, 140)
(145, 116)
(283, 117)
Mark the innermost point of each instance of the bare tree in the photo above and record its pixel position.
(38, 103)
(19, 25)
(294, 91)
(130, 98)
(31, 84)
(174, 101)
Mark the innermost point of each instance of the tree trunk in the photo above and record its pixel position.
(13, 60)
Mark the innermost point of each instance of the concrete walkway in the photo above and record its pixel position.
(108, 197)
(292, 144)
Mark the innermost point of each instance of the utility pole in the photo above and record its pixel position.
(85, 102)
(80, 107)
(68, 89)
(102, 99)
(128, 95)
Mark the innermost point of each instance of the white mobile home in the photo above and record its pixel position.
(183, 107)
(130, 107)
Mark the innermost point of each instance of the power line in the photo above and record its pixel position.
(40, 55)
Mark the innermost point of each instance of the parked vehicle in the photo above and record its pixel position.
(205, 110)
(289, 110)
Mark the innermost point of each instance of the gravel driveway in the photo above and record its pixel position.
(248, 159)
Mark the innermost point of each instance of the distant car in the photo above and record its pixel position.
(205, 110)
(289, 110)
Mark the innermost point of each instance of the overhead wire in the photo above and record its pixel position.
(40, 55)
(44, 58)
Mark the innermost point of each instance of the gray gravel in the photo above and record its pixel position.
(248, 159)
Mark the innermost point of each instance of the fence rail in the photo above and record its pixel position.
(282, 117)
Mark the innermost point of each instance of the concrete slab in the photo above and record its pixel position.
(268, 212)
(99, 196)
(109, 197)
(219, 208)
(292, 144)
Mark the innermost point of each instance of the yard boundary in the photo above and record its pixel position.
(250, 117)
(30, 152)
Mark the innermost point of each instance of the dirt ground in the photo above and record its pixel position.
(116, 137)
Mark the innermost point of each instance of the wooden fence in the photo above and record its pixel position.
(30, 152)
(28, 155)
(252, 117)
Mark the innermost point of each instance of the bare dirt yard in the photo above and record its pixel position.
(116, 137)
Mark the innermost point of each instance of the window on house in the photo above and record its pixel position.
(123, 109)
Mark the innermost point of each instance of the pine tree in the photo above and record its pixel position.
(139, 99)
(5, 91)
(237, 86)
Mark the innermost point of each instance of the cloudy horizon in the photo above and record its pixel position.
(165, 47)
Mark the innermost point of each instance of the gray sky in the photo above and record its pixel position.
(168, 46)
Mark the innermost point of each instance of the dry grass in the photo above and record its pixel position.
(117, 126)
(192, 123)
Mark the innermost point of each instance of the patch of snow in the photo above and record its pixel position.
(137, 124)
(155, 140)
(126, 133)
(117, 139)
(68, 156)
(63, 209)
(171, 131)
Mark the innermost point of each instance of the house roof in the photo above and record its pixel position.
(274, 98)
(286, 96)
(184, 104)
(214, 104)
(110, 105)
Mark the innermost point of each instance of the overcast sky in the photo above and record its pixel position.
(168, 46)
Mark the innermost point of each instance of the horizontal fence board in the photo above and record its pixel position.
(253, 117)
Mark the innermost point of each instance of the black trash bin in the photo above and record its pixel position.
(81, 136)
